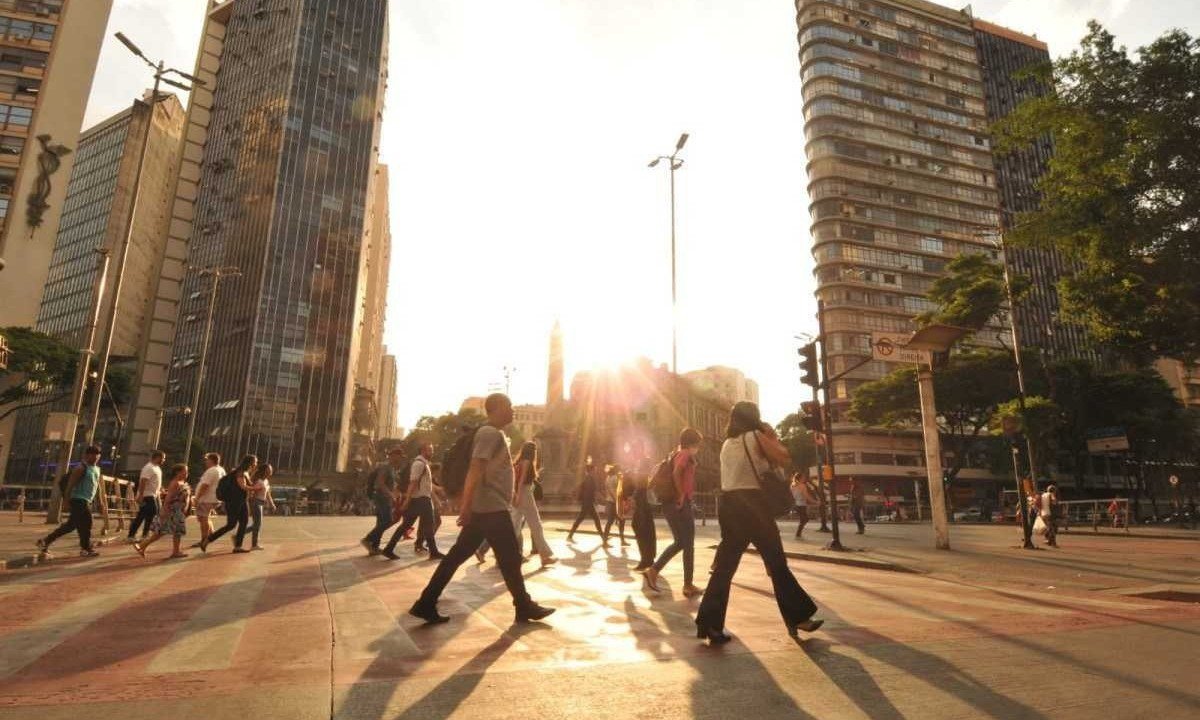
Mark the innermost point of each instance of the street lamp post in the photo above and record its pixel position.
(674, 163)
(217, 273)
(160, 73)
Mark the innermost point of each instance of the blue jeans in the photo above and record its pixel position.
(683, 532)
(256, 514)
(383, 520)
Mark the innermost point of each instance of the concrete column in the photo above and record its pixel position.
(933, 458)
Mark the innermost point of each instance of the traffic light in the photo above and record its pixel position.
(812, 416)
(808, 365)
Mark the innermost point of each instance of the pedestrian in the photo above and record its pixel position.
(235, 497)
(485, 514)
(82, 483)
(679, 513)
(440, 501)
(586, 494)
(150, 482)
(1048, 511)
(260, 498)
(642, 513)
(815, 490)
(525, 507)
(751, 448)
(206, 494)
(1114, 511)
(417, 503)
(800, 498)
(172, 518)
(21, 506)
(857, 500)
(381, 484)
(611, 479)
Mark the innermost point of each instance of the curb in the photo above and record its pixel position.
(36, 558)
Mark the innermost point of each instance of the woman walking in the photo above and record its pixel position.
(679, 514)
(172, 518)
(260, 497)
(750, 449)
(237, 514)
(611, 480)
(525, 509)
(637, 487)
(800, 502)
(587, 502)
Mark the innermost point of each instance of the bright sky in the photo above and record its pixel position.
(518, 134)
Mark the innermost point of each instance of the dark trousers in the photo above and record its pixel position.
(422, 508)
(586, 510)
(683, 532)
(497, 529)
(802, 516)
(645, 533)
(147, 511)
(256, 514)
(610, 517)
(437, 523)
(237, 515)
(745, 519)
(383, 520)
(857, 512)
(79, 519)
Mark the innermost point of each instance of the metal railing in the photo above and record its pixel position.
(1096, 513)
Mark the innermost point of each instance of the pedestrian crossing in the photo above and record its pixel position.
(321, 612)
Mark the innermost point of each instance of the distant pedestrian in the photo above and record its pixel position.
(642, 515)
(440, 502)
(235, 495)
(525, 508)
(21, 506)
(150, 482)
(1048, 511)
(417, 504)
(815, 491)
(485, 514)
(1114, 511)
(751, 447)
(858, 499)
(611, 478)
(206, 494)
(260, 498)
(172, 518)
(82, 483)
(800, 501)
(586, 495)
(381, 483)
(679, 513)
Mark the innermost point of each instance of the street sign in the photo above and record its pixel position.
(1107, 439)
(60, 426)
(889, 347)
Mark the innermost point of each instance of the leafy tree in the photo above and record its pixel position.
(36, 361)
(969, 390)
(1040, 421)
(442, 431)
(798, 440)
(970, 293)
(1121, 195)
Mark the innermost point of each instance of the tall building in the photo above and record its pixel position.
(48, 53)
(94, 216)
(284, 193)
(389, 422)
(378, 244)
(729, 384)
(1003, 54)
(554, 371)
(901, 181)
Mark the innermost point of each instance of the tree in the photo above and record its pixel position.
(798, 440)
(1039, 420)
(442, 431)
(38, 361)
(970, 293)
(969, 389)
(1121, 195)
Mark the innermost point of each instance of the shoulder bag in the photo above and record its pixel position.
(776, 490)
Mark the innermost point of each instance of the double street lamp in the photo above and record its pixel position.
(216, 272)
(674, 162)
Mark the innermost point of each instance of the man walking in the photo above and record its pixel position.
(383, 485)
(418, 503)
(206, 494)
(485, 515)
(148, 488)
(82, 484)
(858, 498)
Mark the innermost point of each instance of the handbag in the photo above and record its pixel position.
(776, 490)
(538, 491)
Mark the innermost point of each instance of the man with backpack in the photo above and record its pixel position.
(417, 503)
(485, 514)
(381, 486)
(81, 486)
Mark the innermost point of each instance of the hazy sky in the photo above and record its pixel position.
(518, 134)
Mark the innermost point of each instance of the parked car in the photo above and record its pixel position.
(972, 514)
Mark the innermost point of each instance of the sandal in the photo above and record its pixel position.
(172, 556)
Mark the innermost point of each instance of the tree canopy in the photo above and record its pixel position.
(37, 361)
(1121, 195)
(970, 293)
(798, 440)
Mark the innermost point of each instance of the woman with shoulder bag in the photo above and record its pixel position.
(751, 450)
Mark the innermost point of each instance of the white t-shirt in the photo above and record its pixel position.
(152, 477)
(423, 475)
(799, 496)
(736, 472)
(209, 480)
(260, 488)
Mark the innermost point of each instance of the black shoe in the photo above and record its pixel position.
(808, 626)
(714, 637)
(533, 612)
(436, 555)
(390, 555)
(429, 614)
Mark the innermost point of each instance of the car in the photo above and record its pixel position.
(969, 515)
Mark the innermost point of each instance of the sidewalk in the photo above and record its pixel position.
(17, 539)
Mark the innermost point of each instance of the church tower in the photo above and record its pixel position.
(554, 375)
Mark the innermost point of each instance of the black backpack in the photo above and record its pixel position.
(662, 480)
(226, 488)
(457, 462)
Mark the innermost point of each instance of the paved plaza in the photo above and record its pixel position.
(311, 628)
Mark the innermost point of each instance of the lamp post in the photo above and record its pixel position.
(217, 273)
(674, 163)
(160, 73)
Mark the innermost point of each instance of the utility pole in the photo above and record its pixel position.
(835, 543)
(674, 163)
(933, 458)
